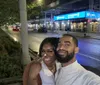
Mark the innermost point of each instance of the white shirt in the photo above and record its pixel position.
(47, 76)
(75, 74)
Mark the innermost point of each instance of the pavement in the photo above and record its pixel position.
(77, 34)
(81, 34)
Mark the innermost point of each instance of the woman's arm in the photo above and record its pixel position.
(33, 73)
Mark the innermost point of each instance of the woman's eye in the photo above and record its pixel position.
(42, 51)
(50, 51)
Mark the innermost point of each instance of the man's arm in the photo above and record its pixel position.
(33, 73)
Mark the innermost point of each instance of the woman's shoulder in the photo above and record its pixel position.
(34, 70)
(36, 66)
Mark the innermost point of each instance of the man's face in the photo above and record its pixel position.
(66, 49)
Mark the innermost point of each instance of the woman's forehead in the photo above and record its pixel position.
(48, 45)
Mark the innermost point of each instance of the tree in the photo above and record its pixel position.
(9, 12)
(10, 57)
(35, 8)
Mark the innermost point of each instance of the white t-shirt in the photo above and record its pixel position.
(75, 74)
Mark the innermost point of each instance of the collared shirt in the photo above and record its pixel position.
(47, 76)
(75, 74)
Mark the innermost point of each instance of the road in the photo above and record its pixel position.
(89, 53)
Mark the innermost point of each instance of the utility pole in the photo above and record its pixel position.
(24, 32)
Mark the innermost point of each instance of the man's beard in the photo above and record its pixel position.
(65, 59)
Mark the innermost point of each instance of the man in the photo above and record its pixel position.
(72, 73)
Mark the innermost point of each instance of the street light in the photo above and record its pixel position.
(40, 2)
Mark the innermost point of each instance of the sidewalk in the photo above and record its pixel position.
(81, 34)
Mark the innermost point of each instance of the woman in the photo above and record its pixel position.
(44, 72)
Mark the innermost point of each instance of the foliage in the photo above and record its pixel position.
(9, 11)
(35, 9)
(10, 57)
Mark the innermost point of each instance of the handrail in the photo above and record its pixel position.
(10, 80)
(34, 54)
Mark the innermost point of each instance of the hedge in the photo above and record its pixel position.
(10, 57)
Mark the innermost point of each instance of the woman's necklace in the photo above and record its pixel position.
(53, 70)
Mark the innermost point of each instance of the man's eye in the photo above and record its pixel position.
(59, 44)
(67, 44)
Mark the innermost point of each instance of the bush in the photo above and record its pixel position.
(10, 57)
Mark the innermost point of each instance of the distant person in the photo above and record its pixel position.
(44, 29)
(85, 30)
(44, 72)
(71, 72)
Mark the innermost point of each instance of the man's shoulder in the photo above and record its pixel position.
(90, 78)
(93, 75)
(87, 73)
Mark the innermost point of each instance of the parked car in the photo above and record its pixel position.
(16, 28)
(42, 30)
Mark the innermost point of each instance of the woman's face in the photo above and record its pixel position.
(48, 54)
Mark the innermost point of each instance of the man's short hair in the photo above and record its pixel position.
(74, 38)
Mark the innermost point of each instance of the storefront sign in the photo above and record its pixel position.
(92, 15)
(76, 15)
(70, 16)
